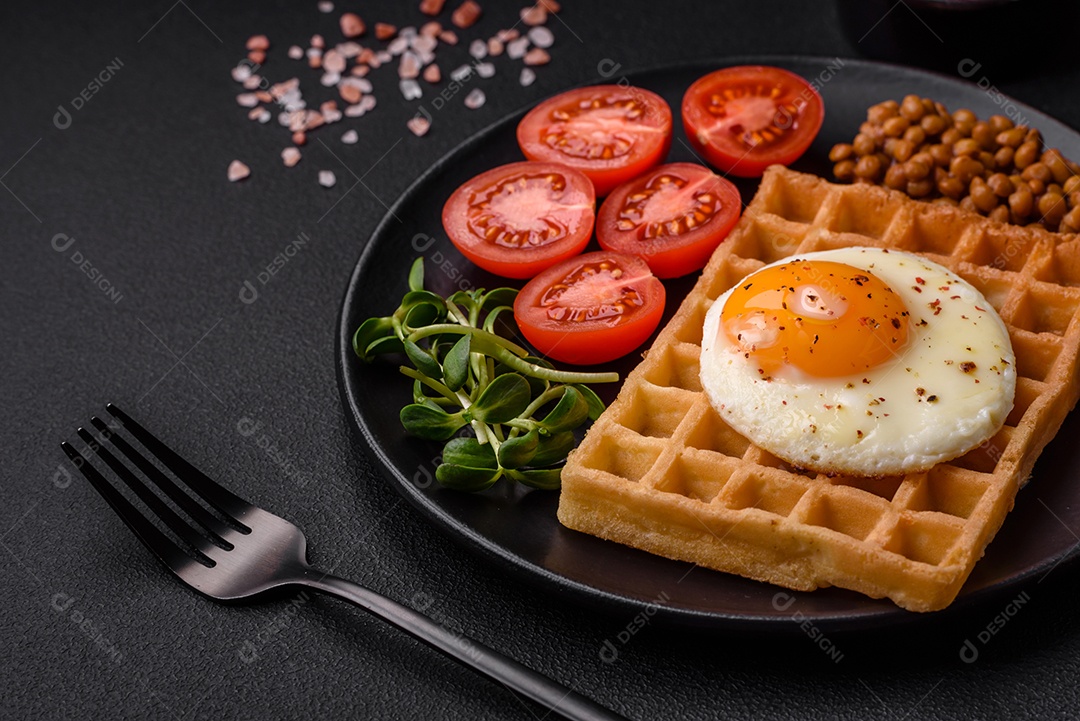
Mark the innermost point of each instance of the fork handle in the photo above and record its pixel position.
(516, 677)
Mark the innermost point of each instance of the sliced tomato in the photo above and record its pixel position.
(609, 132)
(590, 309)
(746, 118)
(674, 216)
(517, 219)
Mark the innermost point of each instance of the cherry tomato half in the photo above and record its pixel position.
(590, 309)
(517, 219)
(612, 133)
(744, 119)
(674, 216)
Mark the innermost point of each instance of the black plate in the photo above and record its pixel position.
(519, 529)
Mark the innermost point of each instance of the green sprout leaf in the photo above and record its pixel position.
(456, 364)
(470, 453)
(569, 413)
(416, 274)
(554, 449)
(370, 332)
(545, 479)
(498, 297)
(429, 421)
(596, 406)
(421, 308)
(503, 400)
(463, 478)
(495, 313)
(421, 360)
(519, 451)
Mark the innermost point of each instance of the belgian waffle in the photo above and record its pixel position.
(661, 471)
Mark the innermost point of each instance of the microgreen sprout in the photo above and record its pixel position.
(465, 373)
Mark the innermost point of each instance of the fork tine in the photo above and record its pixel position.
(223, 500)
(213, 526)
(176, 524)
(157, 542)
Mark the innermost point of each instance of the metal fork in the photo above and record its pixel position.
(243, 550)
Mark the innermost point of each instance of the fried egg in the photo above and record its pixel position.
(858, 361)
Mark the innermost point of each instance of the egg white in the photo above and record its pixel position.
(927, 405)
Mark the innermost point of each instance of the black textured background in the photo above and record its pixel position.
(138, 180)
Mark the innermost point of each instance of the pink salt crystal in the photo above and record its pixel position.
(431, 7)
(537, 56)
(432, 73)
(296, 52)
(317, 41)
(466, 14)
(238, 171)
(449, 37)
(349, 93)
(495, 47)
(351, 25)
(424, 44)
(333, 61)
(541, 37)
(478, 49)
(290, 156)
(349, 48)
(325, 6)
(258, 42)
(252, 82)
(278, 90)
(534, 15)
(475, 99)
(419, 126)
(517, 48)
(508, 35)
(349, 137)
(247, 100)
(409, 66)
(431, 29)
(327, 179)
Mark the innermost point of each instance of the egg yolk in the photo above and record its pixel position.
(824, 318)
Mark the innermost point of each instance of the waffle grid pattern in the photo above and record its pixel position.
(661, 471)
